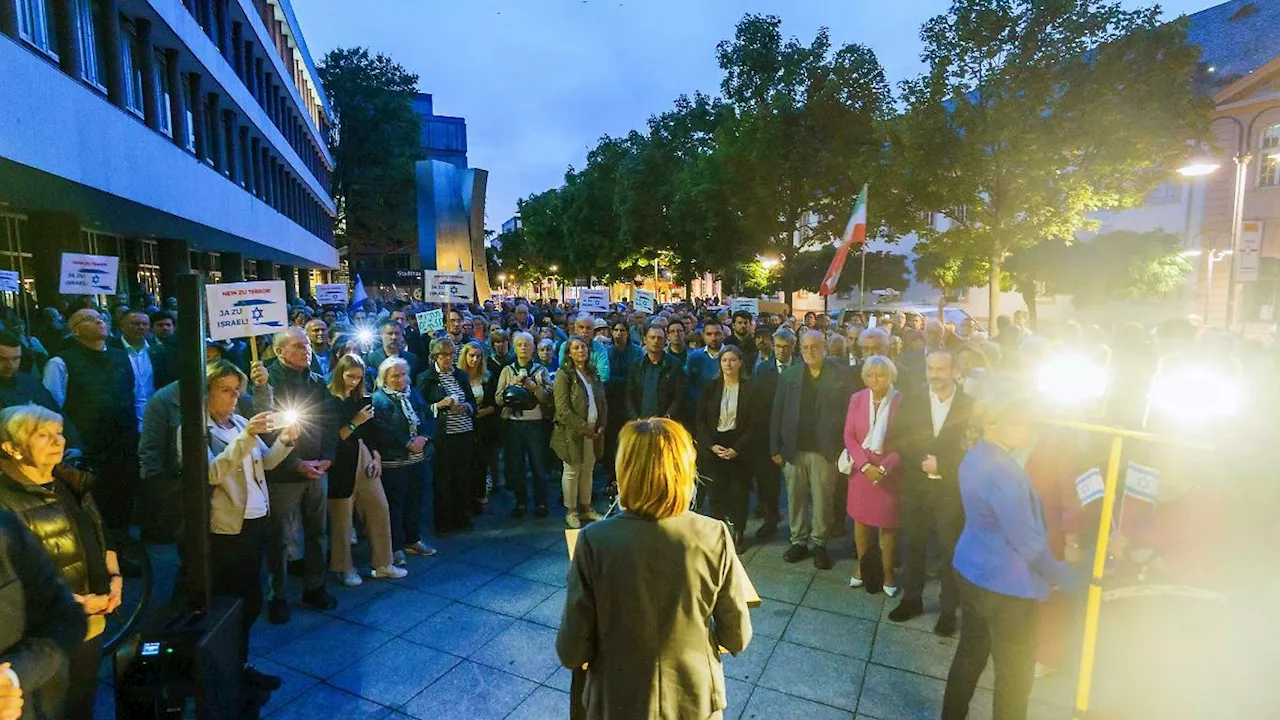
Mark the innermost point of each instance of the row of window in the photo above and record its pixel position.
(213, 16)
(148, 75)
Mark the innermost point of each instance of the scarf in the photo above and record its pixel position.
(407, 407)
(874, 442)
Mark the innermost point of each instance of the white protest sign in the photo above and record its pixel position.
(9, 281)
(594, 301)
(246, 309)
(751, 305)
(430, 321)
(331, 294)
(645, 301)
(448, 287)
(88, 274)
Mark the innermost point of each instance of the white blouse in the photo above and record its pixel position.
(592, 414)
(728, 408)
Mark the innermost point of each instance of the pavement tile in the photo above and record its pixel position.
(737, 693)
(777, 584)
(922, 622)
(550, 611)
(499, 555)
(265, 637)
(524, 649)
(293, 684)
(838, 597)
(325, 651)
(891, 694)
(918, 651)
(458, 629)
(470, 691)
(396, 611)
(815, 675)
(749, 664)
(831, 632)
(325, 701)
(771, 618)
(544, 704)
(766, 704)
(509, 595)
(561, 679)
(451, 579)
(395, 672)
(550, 537)
(551, 568)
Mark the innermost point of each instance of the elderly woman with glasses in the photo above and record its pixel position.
(402, 435)
(447, 392)
(56, 505)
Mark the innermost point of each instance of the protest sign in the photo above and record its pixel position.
(331, 294)
(246, 309)
(9, 281)
(448, 287)
(430, 321)
(645, 301)
(88, 274)
(751, 305)
(596, 301)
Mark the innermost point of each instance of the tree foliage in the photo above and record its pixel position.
(375, 142)
(1033, 114)
(884, 270)
(1121, 265)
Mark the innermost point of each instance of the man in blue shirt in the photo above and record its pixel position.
(703, 365)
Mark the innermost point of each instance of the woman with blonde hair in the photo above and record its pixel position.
(578, 437)
(655, 592)
(484, 383)
(355, 479)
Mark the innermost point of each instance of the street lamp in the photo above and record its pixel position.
(769, 263)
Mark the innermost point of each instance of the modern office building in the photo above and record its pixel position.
(443, 137)
(173, 134)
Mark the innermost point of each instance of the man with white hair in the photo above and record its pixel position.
(584, 326)
(299, 485)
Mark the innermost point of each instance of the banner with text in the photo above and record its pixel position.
(89, 274)
(645, 301)
(751, 305)
(246, 309)
(331, 294)
(448, 287)
(9, 281)
(596, 301)
(430, 321)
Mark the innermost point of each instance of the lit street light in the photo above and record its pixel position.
(769, 263)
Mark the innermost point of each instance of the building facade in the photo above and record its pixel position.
(173, 134)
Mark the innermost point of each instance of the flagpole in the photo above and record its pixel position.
(862, 283)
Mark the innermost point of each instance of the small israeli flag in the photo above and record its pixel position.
(1142, 483)
(1090, 487)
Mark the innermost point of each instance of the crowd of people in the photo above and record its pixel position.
(355, 422)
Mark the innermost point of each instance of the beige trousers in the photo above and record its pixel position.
(811, 485)
(576, 480)
(371, 502)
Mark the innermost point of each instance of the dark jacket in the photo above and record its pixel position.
(832, 400)
(40, 623)
(390, 434)
(99, 402)
(433, 392)
(671, 387)
(41, 510)
(22, 389)
(305, 392)
(378, 355)
(342, 474)
(746, 433)
(487, 428)
(750, 353)
(913, 433)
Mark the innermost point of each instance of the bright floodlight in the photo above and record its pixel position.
(1194, 394)
(1073, 379)
(290, 417)
(365, 336)
(1198, 168)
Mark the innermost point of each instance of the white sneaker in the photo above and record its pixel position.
(420, 548)
(390, 572)
(855, 582)
(398, 559)
(571, 520)
(590, 515)
(892, 591)
(350, 578)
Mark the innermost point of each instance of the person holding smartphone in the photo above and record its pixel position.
(355, 480)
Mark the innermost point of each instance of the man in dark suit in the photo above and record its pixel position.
(930, 428)
(768, 475)
(805, 438)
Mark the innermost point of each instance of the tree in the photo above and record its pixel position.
(805, 131)
(884, 270)
(1121, 265)
(375, 141)
(1034, 113)
(948, 271)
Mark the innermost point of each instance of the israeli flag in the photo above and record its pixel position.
(1142, 482)
(359, 295)
(1090, 487)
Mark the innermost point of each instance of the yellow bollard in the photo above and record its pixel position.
(1094, 608)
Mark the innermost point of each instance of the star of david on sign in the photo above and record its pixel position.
(257, 314)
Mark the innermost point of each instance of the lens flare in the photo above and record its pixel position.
(1215, 394)
(290, 417)
(1072, 379)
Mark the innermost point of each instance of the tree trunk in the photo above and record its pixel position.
(993, 289)
(942, 303)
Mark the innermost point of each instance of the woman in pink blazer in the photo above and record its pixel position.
(873, 475)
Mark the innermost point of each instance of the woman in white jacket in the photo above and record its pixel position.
(239, 502)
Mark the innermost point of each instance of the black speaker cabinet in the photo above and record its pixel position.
(183, 665)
